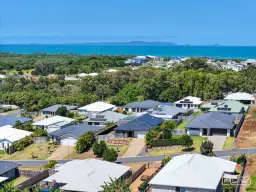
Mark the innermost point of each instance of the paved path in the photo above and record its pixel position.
(224, 153)
(61, 152)
(135, 147)
(218, 142)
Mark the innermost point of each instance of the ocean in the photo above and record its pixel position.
(232, 52)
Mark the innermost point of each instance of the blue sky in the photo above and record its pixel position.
(195, 22)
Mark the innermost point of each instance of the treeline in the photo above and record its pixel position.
(45, 64)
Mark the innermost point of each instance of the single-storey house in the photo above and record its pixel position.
(211, 104)
(166, 112)
(193, 172)
(95, 108)
(212, 123)
(69, 135)
(102, 118)
(11, 120)
(189, 103)
(9, 135)
(230, 107)
(8, 171)
(242, 97)
(138, 127)
(142, 106)
(55, 122)
(50, 111)
(85, 175)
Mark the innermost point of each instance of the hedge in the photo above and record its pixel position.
(166, 142)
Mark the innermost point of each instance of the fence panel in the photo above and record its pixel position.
(39, 139)
(178, 131)
(137, 173)
(239, 125)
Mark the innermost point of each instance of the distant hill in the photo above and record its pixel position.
(144, 43)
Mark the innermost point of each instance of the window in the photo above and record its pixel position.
(2, 145)
(8, 145)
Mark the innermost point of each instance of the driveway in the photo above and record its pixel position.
(61, 153)
(136, 145)
(218, 142)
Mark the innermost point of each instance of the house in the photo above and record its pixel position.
(189, 102)
(11, 120)
(230, 107)
(54, 122)
(234, 67)
(102, 118)
(8, 171)
(242, 97)
(138, 127)
(142, 106)
(249, 62)
(193, 172)
(69, 135)
(95, 108)
(9, 135)
(71, 79)
(85, 175)
(212, 123)
(211, 104)
(50, 111)
(166, 112)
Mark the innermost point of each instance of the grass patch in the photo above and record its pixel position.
(121, 149)
(197, 141)
(3, 154)
(252, 186)
(197, 113)
(40, 151)
(228, 143)
(182, 125)
(19, 180)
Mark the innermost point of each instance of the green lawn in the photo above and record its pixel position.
(182, 125)
(121, 149)
(2, 153)
(19, 180)
(252, 186)
(197, 113)
(228, 143)
(197, 140)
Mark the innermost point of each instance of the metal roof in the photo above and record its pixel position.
(6, 166)
(146, 104)
(54, 108)
(166, 110)
(11, 120)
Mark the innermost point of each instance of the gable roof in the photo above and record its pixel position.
(52, 120)
(145, 104)
(107, 116)
(6, 166)
(97, 106)
(193, 171)
(87, 175)
(75, 130)
(54, 108)
(231, 106)
(239, 96)
(11, 120)
(166, 110)
(12, 134)
(212, 120)
(192, 100)
(142, 123)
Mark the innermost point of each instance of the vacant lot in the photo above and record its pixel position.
(40, 152)
(247, 135)
(249, 178)
(228, 143)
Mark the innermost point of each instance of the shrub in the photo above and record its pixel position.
(206, 148)
(187, 141)
(110, 155)
(50, 164)
(70, 115)
(21, 144)
(170, 124)
(84, 142)
(166, 159)
(99, 148)
(62, 111)
(39, 133)
(143, 186)
(151, 134)
(167, 133)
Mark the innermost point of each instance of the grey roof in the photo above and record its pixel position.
(107, 116)
(142, 123)
(7, 166)
(146, 104)
(216, 120)
(75, 130)
(11, 120)
(55, 107)
(166, 110)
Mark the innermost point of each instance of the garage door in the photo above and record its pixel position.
(219, 132)
(140, 134)
(68, 141)
(194, 131)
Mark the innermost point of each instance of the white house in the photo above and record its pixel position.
(9, 135)
(189, 102)
(193, 173)
(242, 97)
(95, 108)
(85, 175)
(249, 62)
(54, 123)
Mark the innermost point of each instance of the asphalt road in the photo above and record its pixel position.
(140, 158)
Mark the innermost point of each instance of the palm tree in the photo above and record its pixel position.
(117, 185)
(9, 187)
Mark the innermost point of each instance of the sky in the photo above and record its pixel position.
(194, 22)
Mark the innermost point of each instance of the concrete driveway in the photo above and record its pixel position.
(136, 145)
(218, 142)
(61, 152)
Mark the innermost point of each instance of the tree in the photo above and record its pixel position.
(70, 115)
(117, 185)
(110, 155)
(39, 133)
(229, 187)
(99, 148)
(50, 164)
(206, 148)
(18, 124)
(166, 159)
(151, 134)
(84, 142)
(62, 111)
(9, 187)
(187, 141)
(167, 134)
(170, 124)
